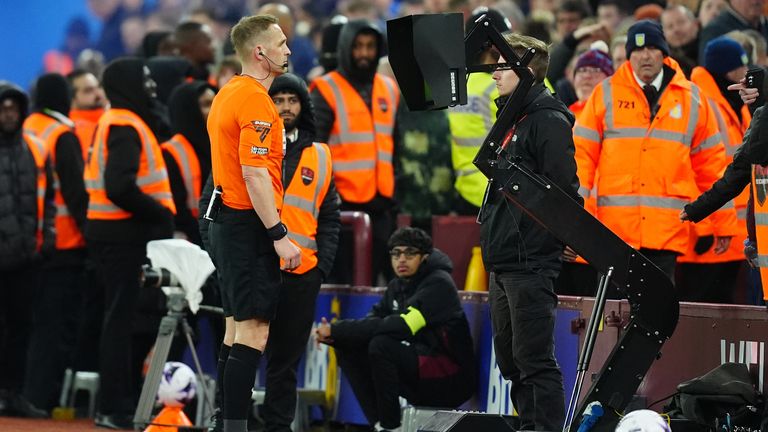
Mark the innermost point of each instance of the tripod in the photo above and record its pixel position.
(175, 318)
(589, 345)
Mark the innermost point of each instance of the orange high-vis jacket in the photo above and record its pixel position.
(577, 107)
(303, 197)
(650, 167)
(85, 127)
(151, 178)
(40, 155)
(48, 130)
(361, 141)
(759, 194)
(184, 154)
(732, 132)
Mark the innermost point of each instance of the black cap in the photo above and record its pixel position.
(498, 19)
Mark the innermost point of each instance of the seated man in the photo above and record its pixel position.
(414, 343)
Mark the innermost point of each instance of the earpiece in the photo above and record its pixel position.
(261, 53)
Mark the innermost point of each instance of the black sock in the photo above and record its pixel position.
(220, 365)
(239, 376)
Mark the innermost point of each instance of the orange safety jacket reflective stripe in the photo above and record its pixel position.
(48, 129)
(39, 154)
(732, 132)
(303, 197)
(361, 141)
(649, 167)
(184, 154)
(759, 194)
(151, 178)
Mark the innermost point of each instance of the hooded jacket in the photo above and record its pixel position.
(328, 218)
(187, 120)
(124, 85)
(510, 240)
(52, 99)
(18, 193)
(432, 291)
(168, 73)
(361, 81)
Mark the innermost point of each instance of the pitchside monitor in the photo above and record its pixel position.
(427, 56)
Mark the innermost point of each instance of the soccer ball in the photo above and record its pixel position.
(177, 385)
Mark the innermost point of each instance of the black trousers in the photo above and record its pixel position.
(91, 313)
(379, 374)
(288, 334)
(708, 283)
(54, 333)
(16, 296)
(664, 259)
(523, 320)
(388, 368)
(119, 266)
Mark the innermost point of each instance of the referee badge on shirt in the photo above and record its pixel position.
(262, 127)
(261, 151)
(307, 175)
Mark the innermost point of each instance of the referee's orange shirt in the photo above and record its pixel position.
(245, 129)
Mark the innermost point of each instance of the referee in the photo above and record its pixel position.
(247, 237)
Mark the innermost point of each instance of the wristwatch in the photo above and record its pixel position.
(277, 232)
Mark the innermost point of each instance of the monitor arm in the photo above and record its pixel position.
(654, 307)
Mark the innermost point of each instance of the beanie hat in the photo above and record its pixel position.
(646, 33)
(723, 54)
(649, 11)
(498, 19)
(595, 58)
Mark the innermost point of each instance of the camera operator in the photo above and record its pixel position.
(247, 237)
(524, 259)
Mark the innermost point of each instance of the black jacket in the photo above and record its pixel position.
(432, 291)
(738, 174)
(69, 170)
(18, 194)
(52, 99)
(124, 85)
(511, 240)
(187, 120)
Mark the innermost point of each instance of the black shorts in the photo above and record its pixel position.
(248, 266)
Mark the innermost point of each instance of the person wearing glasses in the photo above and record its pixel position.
(414, 343)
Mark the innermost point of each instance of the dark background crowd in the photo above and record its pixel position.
(186, 48)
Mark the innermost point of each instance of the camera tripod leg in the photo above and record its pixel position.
(165, 332)
(204, 406)
(589, 343)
